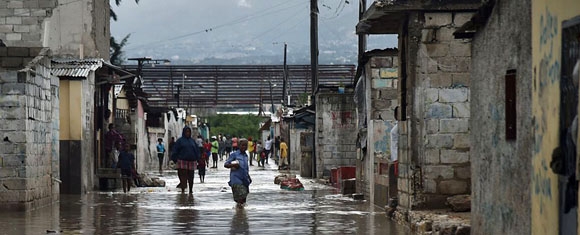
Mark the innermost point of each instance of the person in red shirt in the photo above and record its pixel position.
(207, 150)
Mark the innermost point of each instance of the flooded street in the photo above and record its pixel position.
(270, 210)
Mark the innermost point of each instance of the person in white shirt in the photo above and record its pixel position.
(395, 143)
(268, 148)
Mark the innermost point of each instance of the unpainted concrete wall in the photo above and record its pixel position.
(69, 27)
(381, 93)
(88, 151)
(29, 129)
(434, 161)
(171, 128)
(501, 169)
(335, 138)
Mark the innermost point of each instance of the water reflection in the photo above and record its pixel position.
(317, 210)
(239, 223)
(185, 215)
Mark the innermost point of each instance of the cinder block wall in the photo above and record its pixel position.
(22, 21)
(336, 131)
(73, 27)
(381, 94)
(438, 164)
(29, 130)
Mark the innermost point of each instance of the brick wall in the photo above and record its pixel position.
(29, 129)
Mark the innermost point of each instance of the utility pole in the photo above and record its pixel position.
(314, 44)
(314, 71)
(285, 77)
(362, 38)
(271, 99)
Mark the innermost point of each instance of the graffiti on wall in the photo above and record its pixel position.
(381, 138)
(546, 52)
(343, 120)
(550, 63)
(542, 185)
(547, 75)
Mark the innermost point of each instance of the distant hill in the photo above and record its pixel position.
(253, 42)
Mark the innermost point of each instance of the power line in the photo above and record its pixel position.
(275, 26)
(338, 10)
(231, 23)
(288, 30)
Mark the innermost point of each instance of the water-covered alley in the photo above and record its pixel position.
(319, 209)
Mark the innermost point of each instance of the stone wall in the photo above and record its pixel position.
(436, 162)
(56, 24)
(335, 132)
(501, 168)
(29, 128)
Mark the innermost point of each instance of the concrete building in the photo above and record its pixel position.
(433, 86)
(301, 139)
(376, 97)
(66, 32)
(335, 134)
(29, 128)
(523, 102)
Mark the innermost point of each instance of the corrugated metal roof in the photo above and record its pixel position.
(75, 67)
(234, 87)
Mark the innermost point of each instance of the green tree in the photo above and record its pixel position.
(238, 125)
(117, 57)
(118, 3)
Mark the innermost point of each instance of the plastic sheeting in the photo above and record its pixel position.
(360, 102)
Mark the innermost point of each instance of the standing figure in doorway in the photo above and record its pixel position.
(112, 137)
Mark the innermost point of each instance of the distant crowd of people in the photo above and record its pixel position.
(188, 153)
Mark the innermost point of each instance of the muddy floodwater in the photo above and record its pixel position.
(319, 209)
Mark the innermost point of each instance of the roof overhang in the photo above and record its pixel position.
(378, 20)
(478, 20)
(387, 16)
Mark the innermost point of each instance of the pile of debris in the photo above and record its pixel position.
(144, 180)
(289, 182)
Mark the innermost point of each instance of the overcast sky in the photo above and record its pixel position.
(233, 23)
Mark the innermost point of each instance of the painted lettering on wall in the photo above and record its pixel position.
(548, 73)
(550, 63)
(542, 184)
(342, 119)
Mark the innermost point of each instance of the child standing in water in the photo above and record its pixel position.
(201, 165)
(127, 165)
